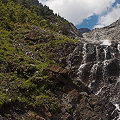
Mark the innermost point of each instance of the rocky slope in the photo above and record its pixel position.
(45, 75)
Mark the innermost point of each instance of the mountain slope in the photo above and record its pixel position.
(39, 62)
(29, 12)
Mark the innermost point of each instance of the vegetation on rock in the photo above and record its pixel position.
(28, 44)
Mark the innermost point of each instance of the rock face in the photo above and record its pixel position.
(97, 67)
(111, 32)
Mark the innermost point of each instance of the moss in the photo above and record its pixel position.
(3, 99)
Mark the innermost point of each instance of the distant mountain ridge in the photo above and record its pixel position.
(84, 30)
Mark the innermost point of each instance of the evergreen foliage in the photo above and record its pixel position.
(17, 12)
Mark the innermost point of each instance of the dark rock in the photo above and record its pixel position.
(113, 68)
(91, 53)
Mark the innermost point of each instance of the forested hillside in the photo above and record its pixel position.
(29, 12)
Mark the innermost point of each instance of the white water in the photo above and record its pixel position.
(103, 84)
(80, 68)
(97, 54)
(80, 71)
(91, 83)
(118, 47)
(94, 68)
(106, 62)
(117, 108)
(99, 90)
(113, 55)
(84, 53)
(105, 52)
(118, 81)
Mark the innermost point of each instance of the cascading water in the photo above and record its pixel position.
(118, 109)
(101, 73)
(84, 53)
(93, 71)
(105, 52)
(97, 54)
(118, 47)
(81, 71)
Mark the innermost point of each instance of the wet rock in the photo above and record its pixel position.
(85, 73)
(113, 68)
(91, 53)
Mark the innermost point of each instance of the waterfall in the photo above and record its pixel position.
(105, 52)
(94, 68)
(84, 53)
(97, 53)
(118, 47)
(98, 69)
(118, 109)
(93, 71)
(99, 90)
(80, 71)
(81, 67)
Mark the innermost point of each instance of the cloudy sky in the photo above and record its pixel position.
(86, 13)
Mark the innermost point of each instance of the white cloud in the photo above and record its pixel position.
(109, 17)
(77, 10)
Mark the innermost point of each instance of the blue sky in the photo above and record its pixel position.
(86, 13)
(92, 21)
(88, 23)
